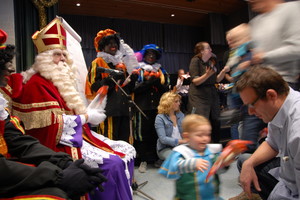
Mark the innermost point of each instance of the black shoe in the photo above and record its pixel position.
(134, 186)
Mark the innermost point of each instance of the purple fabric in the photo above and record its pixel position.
(131, 170)
(117, 186)
(77, 137)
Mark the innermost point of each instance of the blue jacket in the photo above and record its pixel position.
(164, 129)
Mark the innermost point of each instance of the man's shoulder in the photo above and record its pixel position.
(36, 82)
(283, 8)
(294, 99)
(287, 10)
(36, 78)
(291, 4)
(291, 105)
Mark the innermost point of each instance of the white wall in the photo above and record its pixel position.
(7, 19)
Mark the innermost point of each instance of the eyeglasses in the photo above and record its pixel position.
(251, 105)
(207, 48)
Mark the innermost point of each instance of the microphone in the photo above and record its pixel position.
(110, 71)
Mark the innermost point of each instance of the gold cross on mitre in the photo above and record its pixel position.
(53, 36)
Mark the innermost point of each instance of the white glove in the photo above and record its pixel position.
(97, 103)
(95, 111)
(95, 116)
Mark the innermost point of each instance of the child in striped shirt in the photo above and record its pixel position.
(189, 163)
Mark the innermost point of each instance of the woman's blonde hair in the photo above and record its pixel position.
(239, 34)
(193, 120)
(166, 102)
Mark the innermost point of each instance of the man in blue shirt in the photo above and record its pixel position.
(271, 99)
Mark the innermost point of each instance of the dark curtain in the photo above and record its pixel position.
(217, 33)
(177, 42)
(26, 24)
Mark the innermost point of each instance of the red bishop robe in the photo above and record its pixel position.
(40, 106)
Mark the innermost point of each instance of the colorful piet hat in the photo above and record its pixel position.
(3, 38)
(100, 35)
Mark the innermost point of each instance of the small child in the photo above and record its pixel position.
(240, 53)
(189, 163)
(239, 61)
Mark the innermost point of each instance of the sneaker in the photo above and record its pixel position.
(243, 196)
(158, 163)
(143, 167)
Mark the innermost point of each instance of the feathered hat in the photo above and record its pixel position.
(151, 47)
(7, 51)
(100, 35)
(3, 38)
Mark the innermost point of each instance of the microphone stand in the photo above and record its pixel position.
(130, 103)
(135, 186)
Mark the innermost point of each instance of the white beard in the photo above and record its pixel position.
(62, 76)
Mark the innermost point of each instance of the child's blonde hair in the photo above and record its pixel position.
(240, 33)
(166, 102)
(193, 120)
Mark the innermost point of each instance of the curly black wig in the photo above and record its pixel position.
(156, 52)
(105, 41)
(6, 55)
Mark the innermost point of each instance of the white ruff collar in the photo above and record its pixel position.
(155, 67)
(3, 105)
(108, 58)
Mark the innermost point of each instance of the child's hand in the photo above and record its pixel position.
(243, 65)
(202, 164)
(257, 58)
(226, 69)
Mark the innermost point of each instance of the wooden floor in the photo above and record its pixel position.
(160, 188)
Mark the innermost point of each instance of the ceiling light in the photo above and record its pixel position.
(172, 15)
(77, 4)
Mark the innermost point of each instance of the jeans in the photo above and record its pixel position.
(234, 102)
(164, 153)
(252, 125)
(234, 131)
(184, 102)
(266, 181)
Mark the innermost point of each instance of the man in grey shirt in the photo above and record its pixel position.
(276, 35)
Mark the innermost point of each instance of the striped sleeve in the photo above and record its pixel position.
(187, 165)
